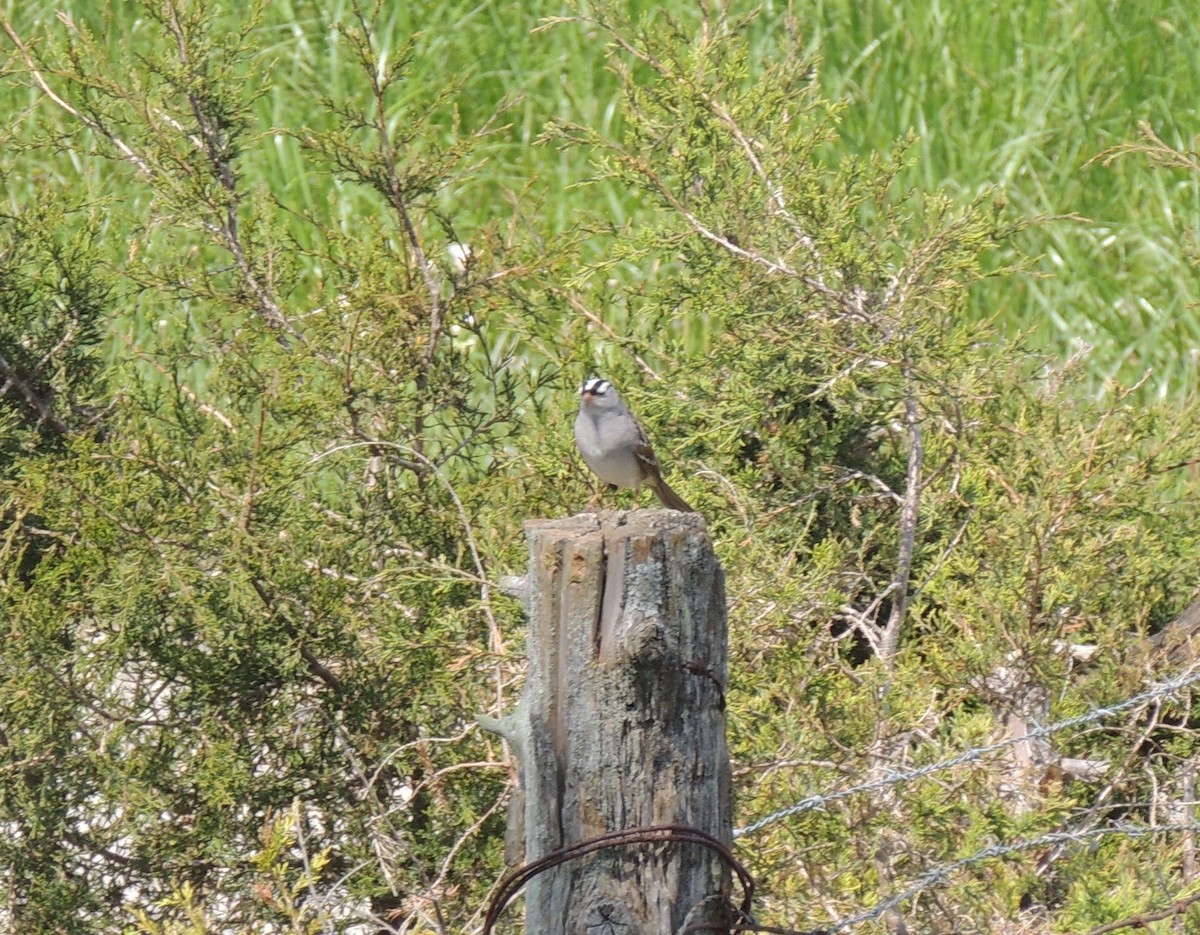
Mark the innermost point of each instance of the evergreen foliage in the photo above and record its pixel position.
(268, 438)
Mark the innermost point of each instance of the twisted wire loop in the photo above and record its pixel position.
(646, 834)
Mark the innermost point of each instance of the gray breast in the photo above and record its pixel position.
(607, 449)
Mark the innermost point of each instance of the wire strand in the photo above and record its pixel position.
(892, 778)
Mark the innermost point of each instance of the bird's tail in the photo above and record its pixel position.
(668, 497)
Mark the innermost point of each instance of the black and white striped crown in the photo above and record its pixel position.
(596, 386)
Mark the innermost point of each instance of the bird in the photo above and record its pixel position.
(615, 446)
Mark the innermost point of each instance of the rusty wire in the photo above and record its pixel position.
(646, 834)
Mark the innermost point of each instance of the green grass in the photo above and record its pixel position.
(1017, 96)
(1022, 96)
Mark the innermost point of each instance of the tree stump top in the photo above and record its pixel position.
(622, 721)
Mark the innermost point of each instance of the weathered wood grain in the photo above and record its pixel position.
(622, 720)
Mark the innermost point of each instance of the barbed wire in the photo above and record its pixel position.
(942, 872)
(894, 777)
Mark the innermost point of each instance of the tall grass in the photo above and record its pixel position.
(1022, 96)
(1019, 96)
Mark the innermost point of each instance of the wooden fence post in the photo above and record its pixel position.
(622, 723)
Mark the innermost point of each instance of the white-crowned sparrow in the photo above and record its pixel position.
(615, 447)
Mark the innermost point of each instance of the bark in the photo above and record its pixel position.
(622, 723)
